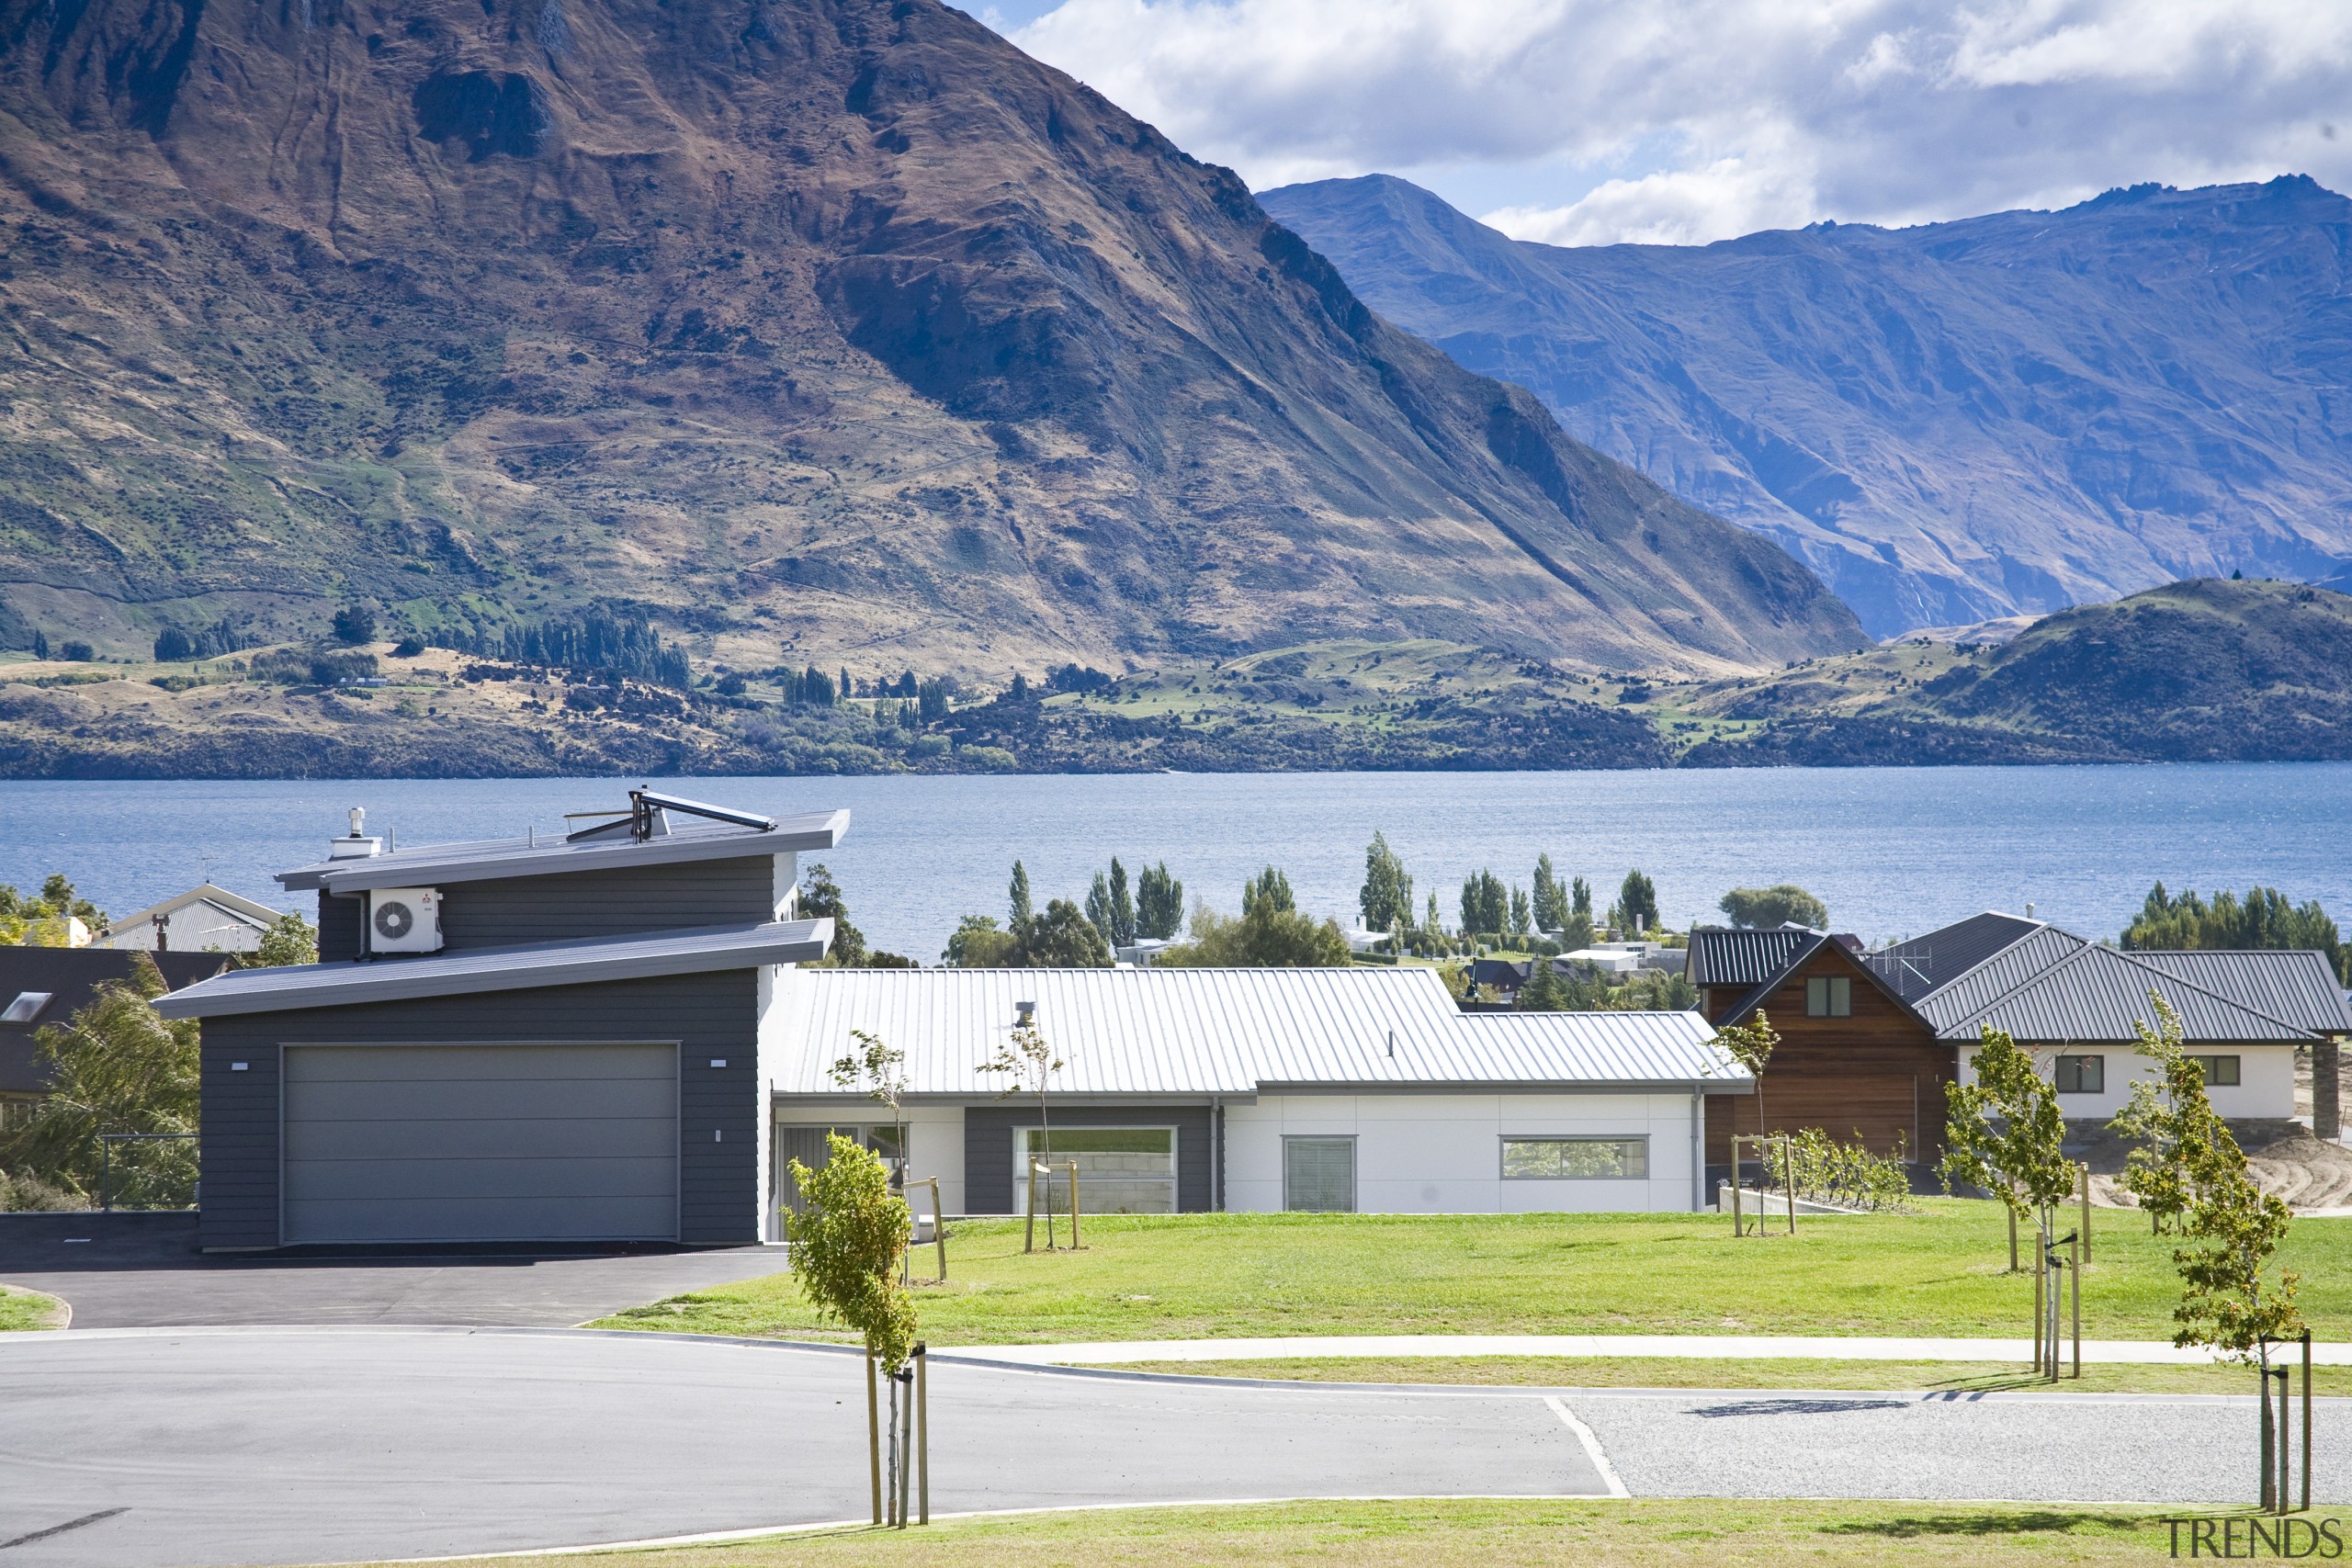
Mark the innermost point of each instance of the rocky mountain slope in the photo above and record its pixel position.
(832, 326)
(1950, 422)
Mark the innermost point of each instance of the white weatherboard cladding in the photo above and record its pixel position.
(1434, 1153)
(934, 1143)
(2266, 1090)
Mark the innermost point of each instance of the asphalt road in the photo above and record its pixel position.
(144, 1270)
(148, 1448)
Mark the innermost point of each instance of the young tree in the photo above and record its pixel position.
(881, 1072)
(1061, 938)
(1758, 908)
(113, 1066)
(2006, 1133)
(1160, 903)
(1123, 907)
(1550, 908)
(1637, 901)
(1386, 900)
(1751, 1045)
(1268, 886)
(291, 940)
(1018, 897)
(1030, 1063)
(845, 1245)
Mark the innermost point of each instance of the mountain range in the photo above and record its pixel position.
(832, 330)
(1951, 423)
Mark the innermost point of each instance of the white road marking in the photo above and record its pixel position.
(1591, 1447)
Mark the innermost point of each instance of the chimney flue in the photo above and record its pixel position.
(356, 845)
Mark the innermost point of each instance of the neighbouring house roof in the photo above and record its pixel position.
(2298, 987)
(434, 865)
(1722, 956)
(1915, 967)
(694, 950)
(235, 908)
(1226, 1031)
(2096, 995)
(68, 976)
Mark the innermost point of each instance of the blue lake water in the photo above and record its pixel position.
(1893, 850)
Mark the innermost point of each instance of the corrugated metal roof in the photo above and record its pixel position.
(1723, 957)
(1913, 969)
(697, 951)
(1966, 995)
(2293, 987)
(435, 864)
(2099, 995)
(1232, 1032)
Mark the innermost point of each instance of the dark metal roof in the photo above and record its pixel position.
(1913, 969)
(71, 976)
(1723, 957)
(434, 865)
(697, 951)
(2294, 986)
(2096, 994)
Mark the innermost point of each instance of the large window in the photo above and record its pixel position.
(1569, 1160)
(2221, 1072)
(806, 1142)
(1120, 1170)
(2081, 1075)
(1319, 1175)
(1831, 997)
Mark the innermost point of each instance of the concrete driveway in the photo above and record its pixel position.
(141, 1450)
(144, 1270)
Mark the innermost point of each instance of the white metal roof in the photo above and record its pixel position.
(235, 905)
(699, 950)
(433, 865)
(1227, 1031)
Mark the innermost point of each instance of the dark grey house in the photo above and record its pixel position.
(523, 1040)
(44, 986)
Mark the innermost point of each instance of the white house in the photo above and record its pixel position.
(203, 919)
(1255, 1089)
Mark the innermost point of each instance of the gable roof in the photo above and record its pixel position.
(1722, 956)
(233, 904)
(434, 865)
(1920, 965)
(355, 982)
(1226, 1031)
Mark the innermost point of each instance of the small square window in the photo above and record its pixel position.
(2081, 1075)
(1829, 997)
(27, 1007)
(2221, 1072)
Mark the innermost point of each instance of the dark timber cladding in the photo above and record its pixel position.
(708, 1016)
(1879, 1072)
(987, 1147)
(565, 906)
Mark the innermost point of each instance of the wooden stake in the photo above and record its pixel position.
(2013, 1240)
(2086, 1227)
(923, 1417)
(2041, 1330)
(874, 1436)
(1029, 1240)
(2307, 1422)
(1073, 1205)
(2074, 1288)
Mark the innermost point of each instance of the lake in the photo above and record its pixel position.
(1894, 852)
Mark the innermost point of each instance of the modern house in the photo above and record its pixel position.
(1868, 1039)
(530, 1039)
(43, 986)
(606, 1036)
(203, 919)
(1258, 1089)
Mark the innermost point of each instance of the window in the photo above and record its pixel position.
(806, 1142)
(1319, 1175)
(17, 1111)
(27, 1007)
(1120, 1170)
(1560, 1159)
(1830, 998)
(2081, 1075)
(2221, 1072)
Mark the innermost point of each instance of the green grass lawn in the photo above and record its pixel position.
(1939, 1271)
(1480, 1532)
(1635, 1371)
(22, 1309)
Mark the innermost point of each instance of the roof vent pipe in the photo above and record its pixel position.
(2029, 909)
(358, 845)
(1392, 1042)
(1025, 1015)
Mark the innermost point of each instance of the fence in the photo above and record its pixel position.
(147, 1170)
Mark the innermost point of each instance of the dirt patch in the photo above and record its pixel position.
(2282, 1156)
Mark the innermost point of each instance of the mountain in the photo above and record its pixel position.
(2200, 670)
(1950, 422)
(833, 327)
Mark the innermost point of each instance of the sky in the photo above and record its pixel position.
(1685, 122)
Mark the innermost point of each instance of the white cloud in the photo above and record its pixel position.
(1689, 120)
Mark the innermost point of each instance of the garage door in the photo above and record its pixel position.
(481, 1143)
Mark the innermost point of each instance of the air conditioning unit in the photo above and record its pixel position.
(403, 919)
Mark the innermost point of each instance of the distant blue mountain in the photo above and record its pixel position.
(1950, 422)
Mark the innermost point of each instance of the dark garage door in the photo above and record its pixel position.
(481, 1143)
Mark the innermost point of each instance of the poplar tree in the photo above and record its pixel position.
(1551, 911)
(1123, 907)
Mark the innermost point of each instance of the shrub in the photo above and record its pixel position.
(408, 646)
(334, 669)
(1847, 1175)
(76, 652)
(27, 1193)
(354, 623)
